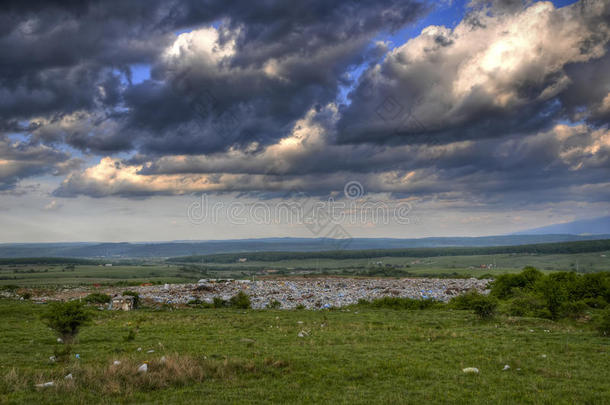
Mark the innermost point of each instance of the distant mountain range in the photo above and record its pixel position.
(191, 248)
(593, 226)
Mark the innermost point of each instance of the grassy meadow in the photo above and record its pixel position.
(355, 355)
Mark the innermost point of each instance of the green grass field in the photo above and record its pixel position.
(40, 275)
(348, 356)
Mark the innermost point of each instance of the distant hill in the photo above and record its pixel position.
(595, 226)
(193, 248)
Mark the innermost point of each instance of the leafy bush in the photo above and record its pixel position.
(603, 323)
(97, 298)
(136, 297)
(240, 300)
(66, 318)
(527, 304)
(275, 304)
(300, 307)
(505, 285)
(484, 306)
(219, 303)
(401, 303)
(26, 295)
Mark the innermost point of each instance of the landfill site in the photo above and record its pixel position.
(311, 293)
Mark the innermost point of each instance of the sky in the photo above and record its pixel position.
(198, 120)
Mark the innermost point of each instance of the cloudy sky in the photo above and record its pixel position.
(164, 120)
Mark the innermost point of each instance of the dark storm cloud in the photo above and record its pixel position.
(62, 57)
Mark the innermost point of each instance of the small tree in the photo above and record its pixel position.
(66, 319)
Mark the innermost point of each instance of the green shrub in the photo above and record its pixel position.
(527, 304)
(402, 303)
(219, 303)
(275, 304)
(300, 307)
(505, 285)
(240, 300)
(484, 306)
(66, 318)
(572, 309)
(97, 298)
(603, 323)
(136, 297)
(26, 295)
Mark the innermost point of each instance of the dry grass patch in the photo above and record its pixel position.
(124, 378)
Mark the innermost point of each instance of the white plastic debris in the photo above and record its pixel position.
(150, 351)
(52, 358)
(300, 322)
(506, 367)
(163, 359)
(139, 349)
(60, 340)
(143, 368)
(471, 370)
(543, 356)
(116, 363)
(68, 377)
(77, 356)
(47, 384)
(303, 334)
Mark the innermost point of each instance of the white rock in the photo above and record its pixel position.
(68, 377)
(47, 384)
(506, 367)
(471, 370)
(143, 368)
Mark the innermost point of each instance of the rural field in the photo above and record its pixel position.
(38, 273)
(351, 355)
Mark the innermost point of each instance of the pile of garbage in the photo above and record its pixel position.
(311, 293)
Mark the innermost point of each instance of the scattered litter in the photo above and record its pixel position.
(303, 334)
(139, 349)
(506, 367)
(547, 331)
(471, 370)
(143, 368)
(47, 384)
(531, 330)
(543, 356)
(52, 358)
(162, 359)
(150, 351)
(116, 363)
(300, 322)
(60, 340)
(68, 377)
(77, 356)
